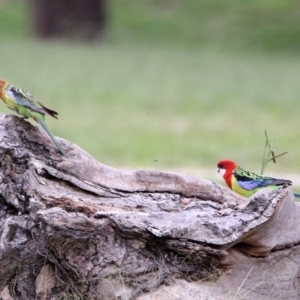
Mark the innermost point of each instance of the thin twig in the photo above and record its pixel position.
(271, 156)
(242, 283)
(263, 282)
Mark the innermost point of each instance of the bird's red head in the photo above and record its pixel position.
(226, 166)
(2, 84)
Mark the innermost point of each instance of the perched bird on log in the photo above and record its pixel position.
(247, 183)
(24, 104)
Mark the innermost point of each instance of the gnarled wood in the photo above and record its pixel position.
(73, 227)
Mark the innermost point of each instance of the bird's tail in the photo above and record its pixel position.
(49, 111)
(44, 126)
(296, 195)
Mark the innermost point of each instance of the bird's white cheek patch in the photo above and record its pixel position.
(222, 171)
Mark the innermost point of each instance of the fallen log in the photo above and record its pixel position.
(73, 228)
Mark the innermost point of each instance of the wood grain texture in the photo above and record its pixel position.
(73, 227)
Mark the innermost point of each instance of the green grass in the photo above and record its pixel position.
(14, 19)
(252, 25)
(159, 100)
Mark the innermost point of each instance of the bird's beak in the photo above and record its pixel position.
(219, 170)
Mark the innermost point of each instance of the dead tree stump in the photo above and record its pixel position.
(73, 228)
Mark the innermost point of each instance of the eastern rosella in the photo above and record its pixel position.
(247, 183)
(24, 104)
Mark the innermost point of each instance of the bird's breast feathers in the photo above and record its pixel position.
(9, 101)
(236, 187)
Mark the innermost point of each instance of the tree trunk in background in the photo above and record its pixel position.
(85, 19)
(73, 228)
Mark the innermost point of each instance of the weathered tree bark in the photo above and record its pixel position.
(73, 227)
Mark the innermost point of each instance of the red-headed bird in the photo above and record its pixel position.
(24, 104)
(247, 183)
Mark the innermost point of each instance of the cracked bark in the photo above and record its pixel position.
(73, 227)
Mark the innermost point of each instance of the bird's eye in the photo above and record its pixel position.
(221, 166)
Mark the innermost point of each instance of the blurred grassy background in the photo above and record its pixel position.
(176, 85)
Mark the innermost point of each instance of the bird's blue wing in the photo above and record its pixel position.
(252, 184)
(250, 181)
(23, 98)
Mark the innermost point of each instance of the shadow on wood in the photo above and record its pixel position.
(73, 227)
